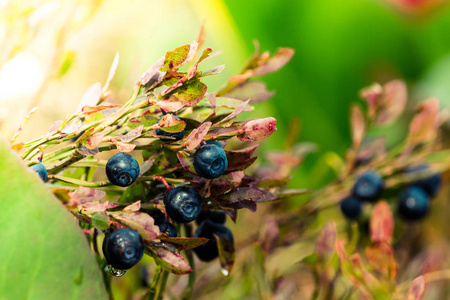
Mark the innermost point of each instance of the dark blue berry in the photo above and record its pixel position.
(431, 184)
(413, 203)
(175, 136)
(212, 215)
(123, 248)
(351, 207)
(368, 186)
(183, 204)
(169, 229)
(158, 216)
(41, 170)
(210, 161)
(208, 229)
(122, 169)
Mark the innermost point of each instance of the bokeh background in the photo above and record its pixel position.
(52, 51)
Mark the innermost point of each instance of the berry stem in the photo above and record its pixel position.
(190, 258)
(162, 286)
(163, 180)
(79, 182)
(94, 241)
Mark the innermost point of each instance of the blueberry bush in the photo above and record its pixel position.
(136, 176)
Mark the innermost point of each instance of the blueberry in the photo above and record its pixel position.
(351, 207)
(212, 215)
(123, 248)
(208, 229)
(41, 170)
(368, 186)
(183, 204)
(210, 161)
(169, 229)
(431, 184)
(413, 203)
(122, 169)
(158, 216)
(176, 136)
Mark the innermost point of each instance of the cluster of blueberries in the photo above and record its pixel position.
(413, 201)
(123, 248)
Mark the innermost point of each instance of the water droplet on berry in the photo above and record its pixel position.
(116, 272)
(225, 272)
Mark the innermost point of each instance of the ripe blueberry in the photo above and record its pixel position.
(122, 169)
(183, 204)
(123, 248)
(41, 170)
(351, 207)
(368, 186)
(168, 229)
(212, 215)
(431, 184)
(413, 203)
(175, 136)
(158, 216)
(210, 161)
(208, 229)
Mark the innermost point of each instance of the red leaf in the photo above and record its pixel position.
(417, 289)
(141, 222)
(170, 260)
(237, 111)
(257, 129)
(392, 103)
(274, 63)
(372, 95)
(196, 136)
(423, 127)
(358, 126)
(89, 110)
(94, 140)
(123, 147)
(381, 223)
(326, 242)
(136, 206)
(84, 195)
(381, 257)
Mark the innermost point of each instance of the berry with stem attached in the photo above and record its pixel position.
(122, 169)
(210, 161)
(183, 204)
(123, 248)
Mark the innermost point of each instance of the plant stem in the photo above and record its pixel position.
(152, 290)
(79, 182)
(162, 286)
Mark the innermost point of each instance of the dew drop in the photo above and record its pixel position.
(209, 203)
(225, 272)
(116, 272)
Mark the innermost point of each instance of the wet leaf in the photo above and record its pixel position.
(381, 257)
(227, 253)
(254, 90)
(141, 222)
(325, 244)
(257, 129)
(392, 103)
(89, 110)
(358, 126)
(196, 136)
(417, 289)
(44, 244)
(169, 260)
(423, 127)
(184, 243)
(239, 158)
(381, 223)
(275, 62)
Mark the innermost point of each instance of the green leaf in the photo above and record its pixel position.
(175, 58)
(184, 243)
(100, 220)
(44, 253)
(169, 260)
(192, 92)
(145, 119)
